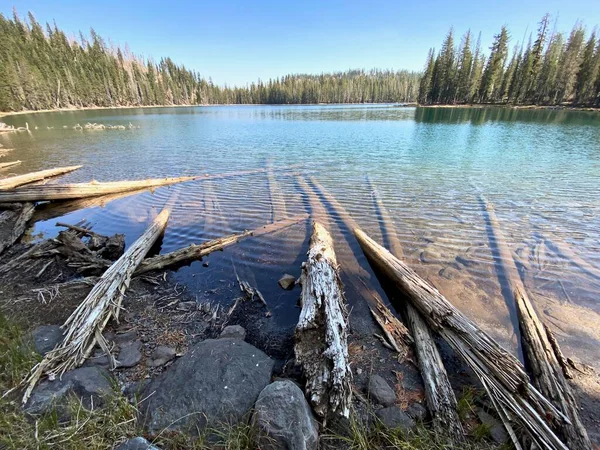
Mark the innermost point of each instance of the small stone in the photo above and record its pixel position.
(233, 331)
(287, 281)
(205, 264)
(381, 392)
(417, 411)
(162, 355)
(394, 417)
(359, 371)
(448, 273)
(138, 443)
(497, 431)
(283, 419)
(130, 354)
(46, 337)
(187, 306)
(124, 338)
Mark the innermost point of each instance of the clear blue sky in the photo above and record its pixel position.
(236, 42)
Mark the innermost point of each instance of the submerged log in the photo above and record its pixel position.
(196, 252)
(542, 360)
(278, 208)
(6, 165)
(562, 248)
(83, 329)
(439, 395)
(13, 224)
(501, 374)
(81, 190)
(321, 346)
(13, 182)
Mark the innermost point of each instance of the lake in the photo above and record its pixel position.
(539, 168)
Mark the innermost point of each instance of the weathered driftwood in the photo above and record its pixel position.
(502, 375)
(81, 190)
(6, 165)
(565, 250)
(400, 337)
(439, 395)
(13, 182)
(321, 346)
(543, 362)
(195, 252)
(83, 329)
(13, 224)
(278, 208)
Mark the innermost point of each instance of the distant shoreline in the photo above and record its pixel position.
(394, 105)
(94, 108)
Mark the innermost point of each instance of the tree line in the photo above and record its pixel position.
(42, 68)
(552, 69)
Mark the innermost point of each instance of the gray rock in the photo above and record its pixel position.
(138, 443)
(126, 337)
(99, 359)
(497, 431)
(130, 354)
(283, 419)
(287, 281)
(46, 337)
(234, 332)
(89, 384)
(217, 380)
(380, 391)
(162, 355)
(394, 417)
(417, 411)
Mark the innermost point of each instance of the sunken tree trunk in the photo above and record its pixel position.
(13, 182)
(321, 334)
(438, 390)
(516, 400)
(83, 329)
(542, 360)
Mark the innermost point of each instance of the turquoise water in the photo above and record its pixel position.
(539, 168)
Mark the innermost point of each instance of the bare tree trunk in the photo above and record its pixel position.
(438, 390)
(6, 165)
(541, 359)
(321, 334)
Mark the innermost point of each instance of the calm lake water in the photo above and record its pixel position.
(540, 169)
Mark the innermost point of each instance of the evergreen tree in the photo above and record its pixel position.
(494, 70)
(586, 78)
(465, 68)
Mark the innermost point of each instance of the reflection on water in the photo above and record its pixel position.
(539, 168)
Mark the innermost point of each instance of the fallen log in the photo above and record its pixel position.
(195, 252)
(398, 335)
(13, 182)
(502, 375)
(562, 248)
(6, 165)
(13, 224)
(439, 395)
(321, 346)
(542, 360)
(83, 329)
(81, 190)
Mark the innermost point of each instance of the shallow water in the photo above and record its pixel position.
(540, 170)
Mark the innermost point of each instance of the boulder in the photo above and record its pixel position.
(381, 391)
(90, 384)
(162, 355)
(46, 337)
(138, 443)
(283, 419)
(287, 282)
(394, 417)
(417, 411)
(234, 332)
(217, 380)
(130, 354)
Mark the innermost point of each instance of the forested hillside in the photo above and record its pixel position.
(41, 68)
(551, 68)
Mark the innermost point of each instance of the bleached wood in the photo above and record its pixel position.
(83, 329)
(542, 360)
(439, 395)
(321, 346)
(503, 376)
(13, 224)
(6, 165)
(81, 190)
(13, 182)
